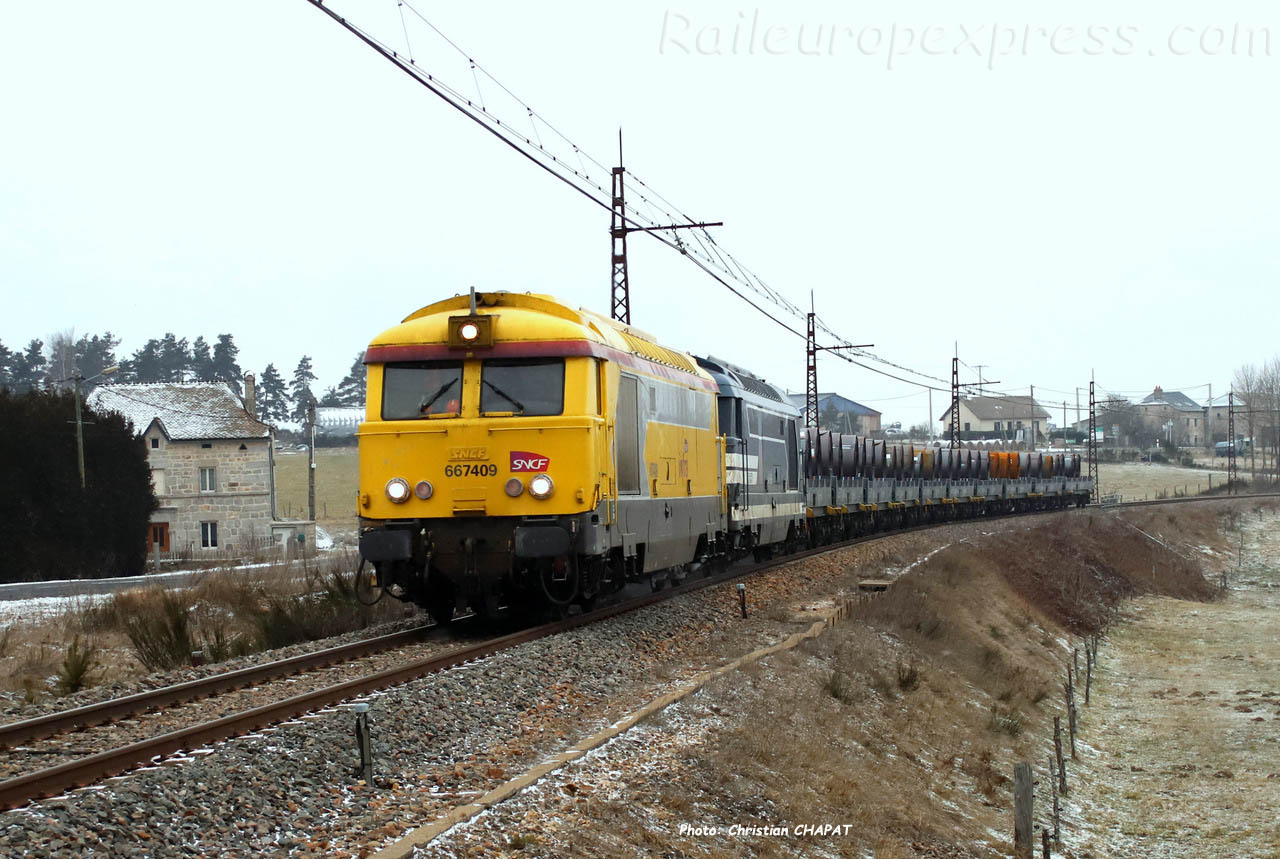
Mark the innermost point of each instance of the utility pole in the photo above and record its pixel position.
(1032, 423)
(1093, 445)
(811, 364)
(1232, 477)
(955, 400)
(79, 433)
(1077, 404)
(620, 294)
(1208, 421)
(311, 460)
(811, 370)
(80, 420)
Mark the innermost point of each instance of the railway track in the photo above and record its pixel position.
(94, 767)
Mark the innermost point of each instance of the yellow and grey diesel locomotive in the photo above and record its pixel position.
(518, 452)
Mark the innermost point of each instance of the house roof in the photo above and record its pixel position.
(184, 410)
(999, 408)
(1176, 399)
(843, 404)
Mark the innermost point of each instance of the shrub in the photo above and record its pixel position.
(908, 676)
(158, 623)
(1006, 721)
(73, 675)
(50, 526)
(841, 687)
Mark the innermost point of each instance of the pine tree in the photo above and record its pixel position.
(351, 390)
(225, 368)
(175, 359)
(330, 398)
(6, 367)
(201, 360)
(145, 365)
(95, 354)
(300, 389)
(29, 367)
(273, 398)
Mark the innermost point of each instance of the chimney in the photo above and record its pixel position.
(250, 396)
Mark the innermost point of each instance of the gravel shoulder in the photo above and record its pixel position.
(437, 742)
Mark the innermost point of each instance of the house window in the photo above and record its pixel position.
(207, 445)
(208, 479)
(155, 444)
(157, 481)
(966, 426)
(997, 426)
(209, 535)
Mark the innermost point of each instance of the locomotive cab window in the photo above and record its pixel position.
(421, 389)
(522, 386)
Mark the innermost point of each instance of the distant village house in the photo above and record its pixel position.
(211, 466)
(1008, 418)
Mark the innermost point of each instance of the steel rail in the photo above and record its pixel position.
(88, 770)
(117, 708)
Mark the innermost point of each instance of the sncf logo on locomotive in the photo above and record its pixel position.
(467, 453)
(523, 460)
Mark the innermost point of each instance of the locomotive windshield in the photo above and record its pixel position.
(522, 386)
(419, 389)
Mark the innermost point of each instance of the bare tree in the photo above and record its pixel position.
(1246, 385)
(1269, 427)
(62, 359)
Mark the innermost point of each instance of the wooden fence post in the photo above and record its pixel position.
(1072, 719)
(1022, 794)
(1057, 748)
(1088, 677)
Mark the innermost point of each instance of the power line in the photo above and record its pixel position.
(703, 250)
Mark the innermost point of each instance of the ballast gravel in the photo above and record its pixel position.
(437, 742)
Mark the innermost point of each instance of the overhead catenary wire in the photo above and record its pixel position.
(656, 210)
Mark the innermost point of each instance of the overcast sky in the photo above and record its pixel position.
(1059, 188)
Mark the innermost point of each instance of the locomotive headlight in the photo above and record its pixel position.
(541, 486)
(423, 490)
(469, 331)
(398, 490)
(514, 487)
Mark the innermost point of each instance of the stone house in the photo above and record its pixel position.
(848, 416)
(1174, 417)
(999, 417)
(211, 466)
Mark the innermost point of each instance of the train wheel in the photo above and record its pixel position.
(440, 604)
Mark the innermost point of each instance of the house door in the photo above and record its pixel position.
(159, 537)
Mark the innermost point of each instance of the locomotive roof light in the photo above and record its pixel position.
(541, 486)
(470, 331)
(514, 487)
(423, 489)
(398, 490)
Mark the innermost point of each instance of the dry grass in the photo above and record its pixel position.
(337, 482)
(1138, 481)
(1183, 720)
(227, 613)
(906, 721)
